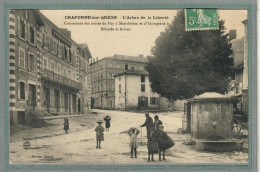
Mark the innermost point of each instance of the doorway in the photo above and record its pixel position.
(32, 96)
(142, 102)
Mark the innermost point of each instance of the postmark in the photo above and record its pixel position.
(201, 19)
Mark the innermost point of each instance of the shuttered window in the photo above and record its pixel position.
(22, 90)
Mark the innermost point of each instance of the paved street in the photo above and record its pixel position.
(51, 145)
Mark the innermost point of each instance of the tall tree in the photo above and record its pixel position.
(186, 64)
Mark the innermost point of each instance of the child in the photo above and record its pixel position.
(133, 132)
(66, 125)
(107, 119)
(99, 134)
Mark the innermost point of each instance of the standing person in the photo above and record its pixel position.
(157, 122)
(148, 123)
(133, 132)
(107, 119)
(99, 134)
(66, 125)
(164, 141)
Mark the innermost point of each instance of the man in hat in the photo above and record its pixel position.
(148, 123)
(99, 133)
(157, 122)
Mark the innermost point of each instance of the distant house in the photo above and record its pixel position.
(132, 91)
(239, 83)
(102, 80)
(237, 77)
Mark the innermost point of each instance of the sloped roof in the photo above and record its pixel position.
(84, 50)
(211, 96)
(132, 72)
(130, 58)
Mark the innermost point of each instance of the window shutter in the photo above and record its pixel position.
(27, 31)
(28, 61)
(19, 27)
(35, 36)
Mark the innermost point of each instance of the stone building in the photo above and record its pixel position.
(45, 69)
(102, 73)
(132, 91)
(239, 83)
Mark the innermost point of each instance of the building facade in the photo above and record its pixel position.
(102, 77)
(239, 83)
(132, 91)
(45, 69)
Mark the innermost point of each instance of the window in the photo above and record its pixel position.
(59, 68)
(142, 87)
(80, 78)
(22, 58)
(70, 56)
(32, 35)
(110, 87)
(126, 66)
(52, 66)
(69, 74)
(22, 90)
(22, 29)
(65, 53)
(132, 68)
(46, 40)
(98, 89)
(119, 88)
(153, 100)
(141, 68)
(119, 78)
(45, 63)
(31, 65)
(110, 76)
(118, 66)
(60, 52)
(65, 72)
(142, 78)
(52, 45)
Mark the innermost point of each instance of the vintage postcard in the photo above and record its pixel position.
(130, 87)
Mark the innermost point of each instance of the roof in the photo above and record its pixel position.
(129, 58)
(132, 72)
(238, 51)
(50, 24)
(84, 50)
(211, 96)
(140, 59)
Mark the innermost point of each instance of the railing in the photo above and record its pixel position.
(61, 79)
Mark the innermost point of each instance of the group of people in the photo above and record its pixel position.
(157, 139)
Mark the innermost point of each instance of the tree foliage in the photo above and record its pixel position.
(186, 64)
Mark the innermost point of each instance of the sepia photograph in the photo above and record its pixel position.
(148, 86)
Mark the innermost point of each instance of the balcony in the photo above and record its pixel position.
(45, 73)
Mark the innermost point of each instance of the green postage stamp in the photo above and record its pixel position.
(201, 19)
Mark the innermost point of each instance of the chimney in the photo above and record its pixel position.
(232, 34)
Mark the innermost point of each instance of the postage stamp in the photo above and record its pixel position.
(201, 19)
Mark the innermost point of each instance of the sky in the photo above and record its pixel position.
(138, 40)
